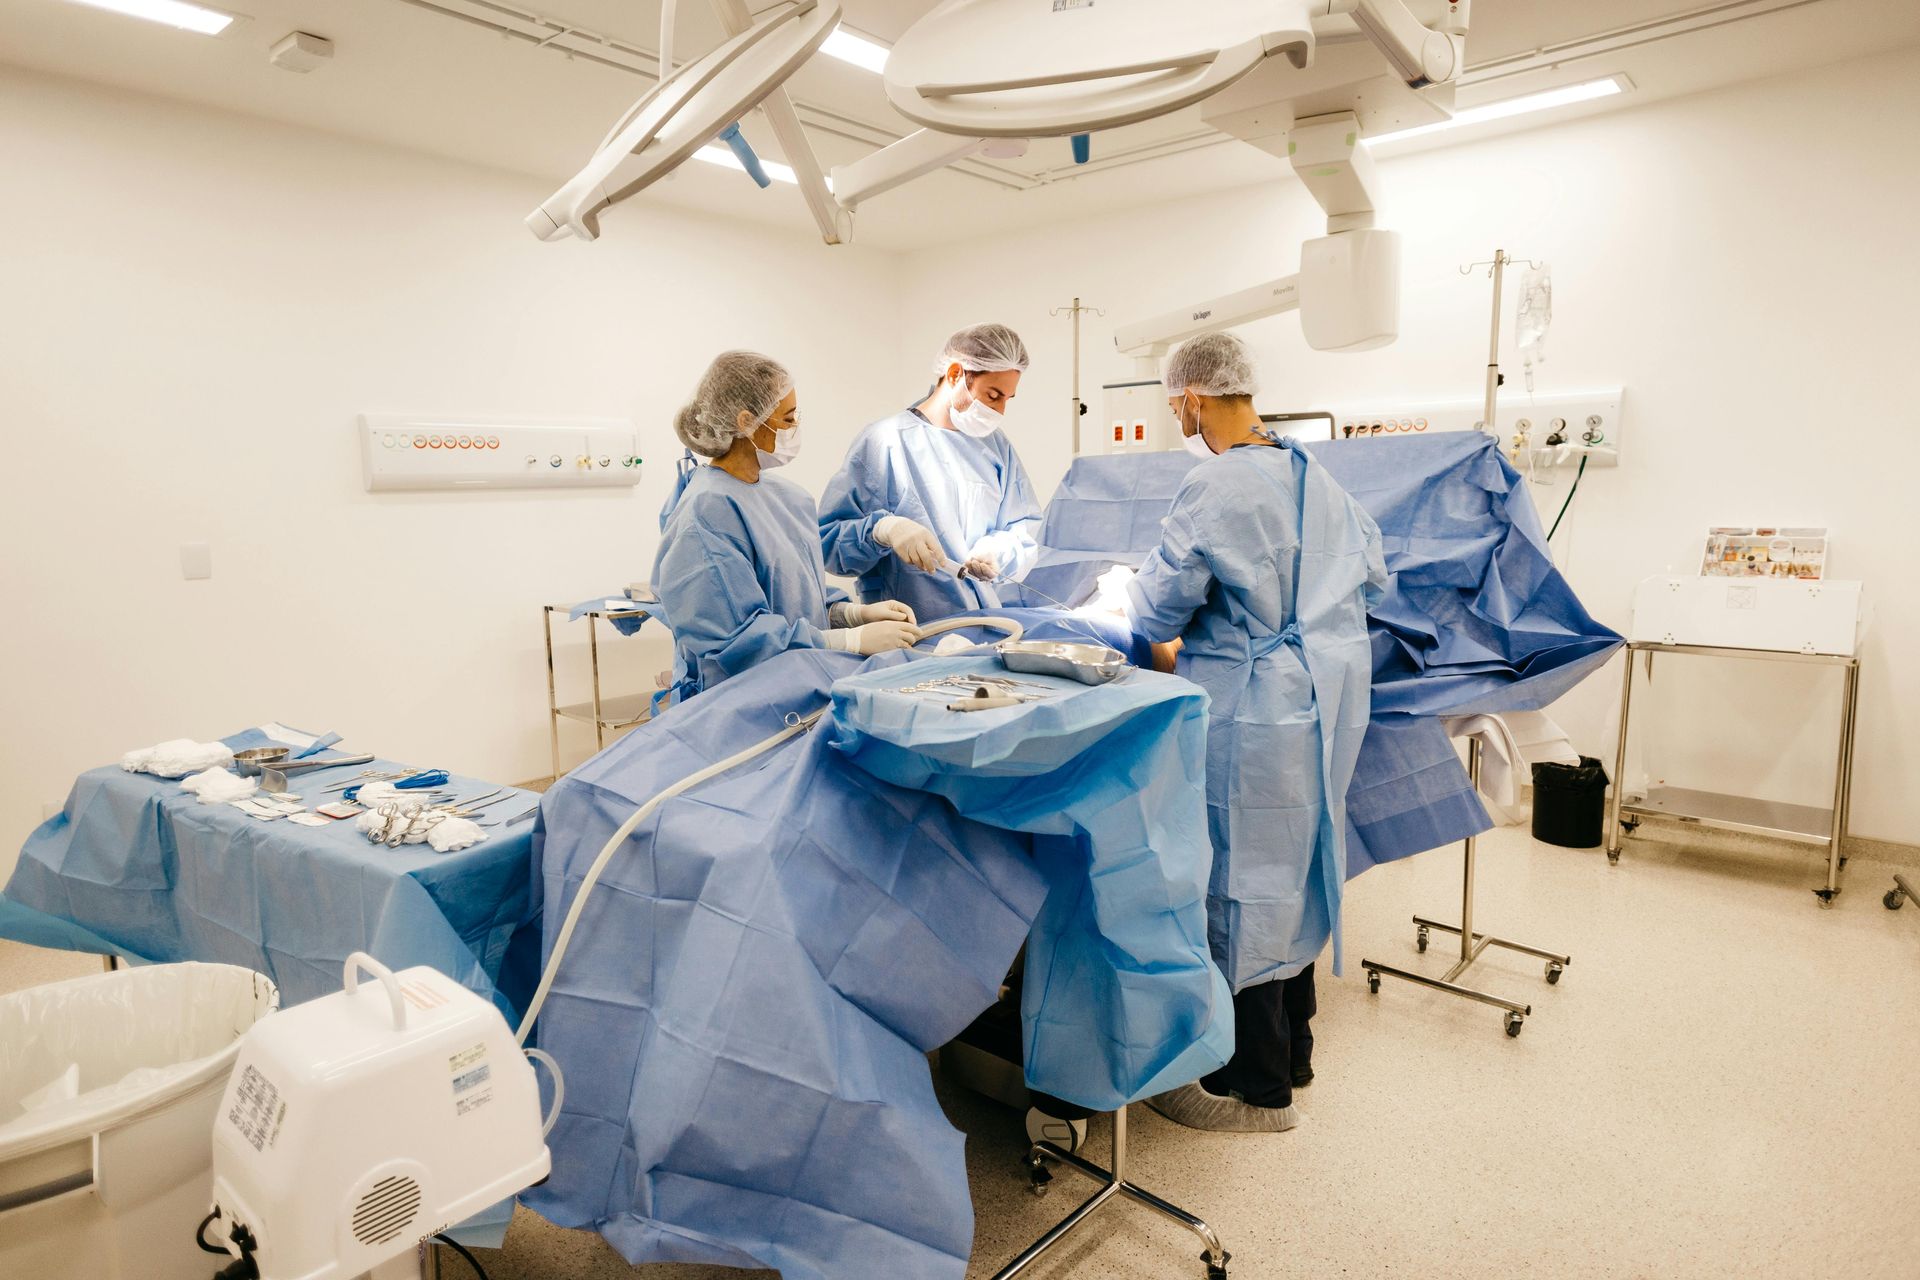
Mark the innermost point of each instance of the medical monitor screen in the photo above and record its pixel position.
(1305, 427)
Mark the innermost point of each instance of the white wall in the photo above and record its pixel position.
(193, 309)
(1742, 261)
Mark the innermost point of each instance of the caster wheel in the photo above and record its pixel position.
(1420, 941)
(1553, 973)
(1068, 1135)
(1514, 1023)
(1893, 899)
(1373, 983)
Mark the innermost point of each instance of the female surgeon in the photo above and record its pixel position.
(739, 572)
(932, 504)
(1261, 586)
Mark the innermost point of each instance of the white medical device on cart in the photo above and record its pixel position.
(359, 1124)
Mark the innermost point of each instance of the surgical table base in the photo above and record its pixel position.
(1471, 944)
(1113, 1184)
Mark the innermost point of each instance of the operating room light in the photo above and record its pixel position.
(1586, 91)
(860, 51)
(722, 156)
(173, 13)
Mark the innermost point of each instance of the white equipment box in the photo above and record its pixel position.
(415, 453)
(1137, 420)
(1737, 613)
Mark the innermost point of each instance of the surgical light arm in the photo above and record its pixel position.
(1347, 290)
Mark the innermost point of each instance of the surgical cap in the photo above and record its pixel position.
(709, 423)
(1213, 364)
(984, 348)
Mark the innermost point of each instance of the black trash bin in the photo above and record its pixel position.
(1570, 803)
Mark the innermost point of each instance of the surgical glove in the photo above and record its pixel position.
(911, 541)
(873, 637)
(1111, 596)
(985, 568)
(849, 614)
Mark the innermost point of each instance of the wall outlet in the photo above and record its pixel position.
(196, 561)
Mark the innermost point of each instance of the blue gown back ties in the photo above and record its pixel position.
(972, 493)
(1265, 570)
(739, 573)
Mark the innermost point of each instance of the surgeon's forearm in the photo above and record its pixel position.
(1164, 655)
(848, 546)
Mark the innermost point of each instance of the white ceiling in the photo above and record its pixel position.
(407, 72)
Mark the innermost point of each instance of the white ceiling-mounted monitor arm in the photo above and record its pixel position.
(1347, 290)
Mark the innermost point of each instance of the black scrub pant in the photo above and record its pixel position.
(1272, 1042)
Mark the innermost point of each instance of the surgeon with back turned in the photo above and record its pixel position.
(932, 505)
(1260, 588)
(738, 571)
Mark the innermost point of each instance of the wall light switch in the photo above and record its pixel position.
(196, 561)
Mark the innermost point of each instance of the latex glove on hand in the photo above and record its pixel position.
(985, 568)
(849, 614)
(911, 541)
(1111, 596)
(873, 637)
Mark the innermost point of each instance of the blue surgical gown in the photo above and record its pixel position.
(972, 493)
(1265, 571)
(739, 575)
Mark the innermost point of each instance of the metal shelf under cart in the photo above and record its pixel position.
(621, 711)
(1471, 944)
(1802, 824)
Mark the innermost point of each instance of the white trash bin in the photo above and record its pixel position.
(108, 1089)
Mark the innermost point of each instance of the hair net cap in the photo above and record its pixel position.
(985, 348)
(1213, 364)
(736, 380)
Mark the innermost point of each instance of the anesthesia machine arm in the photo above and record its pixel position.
(982, 77)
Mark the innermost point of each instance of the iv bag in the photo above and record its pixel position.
(1533, 316)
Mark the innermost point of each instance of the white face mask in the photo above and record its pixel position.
(1195, 444)
(976, 420)
(786, 447)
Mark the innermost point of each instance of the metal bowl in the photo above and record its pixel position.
(253, 759)
(1087, 663)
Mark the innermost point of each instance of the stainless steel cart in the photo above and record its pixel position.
(1803, 824)
(621, 711)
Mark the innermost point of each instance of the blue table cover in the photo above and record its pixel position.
(135, 866)
(744, 1014)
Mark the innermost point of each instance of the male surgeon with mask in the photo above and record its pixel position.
(738, 571)
(1259, 592)
(932, 505)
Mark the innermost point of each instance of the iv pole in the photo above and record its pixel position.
(1471, 943)
(1079, 408)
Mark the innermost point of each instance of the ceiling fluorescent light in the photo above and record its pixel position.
(867, 54)
(1586, 91)
(723, 156)
(173, 13)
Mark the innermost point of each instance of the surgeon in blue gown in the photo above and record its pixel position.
(739, 572)
(1259, 592)
(933, 506)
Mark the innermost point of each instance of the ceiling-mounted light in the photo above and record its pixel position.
(173, 13)
(867, 54)
(1567, 95)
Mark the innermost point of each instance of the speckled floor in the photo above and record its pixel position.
(1725, 1083)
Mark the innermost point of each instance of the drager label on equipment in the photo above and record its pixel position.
(258, 1109)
